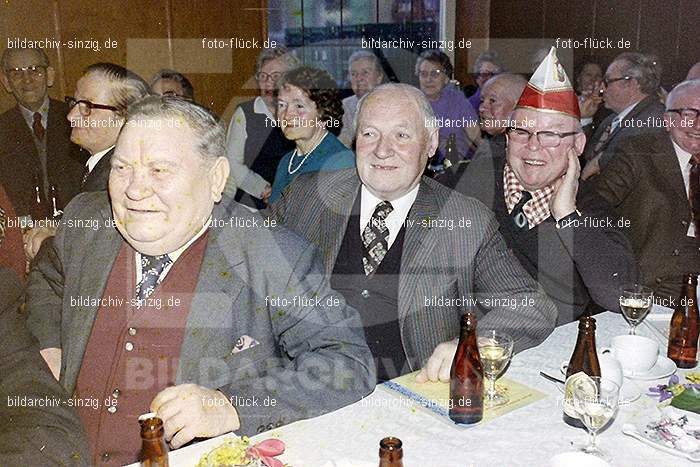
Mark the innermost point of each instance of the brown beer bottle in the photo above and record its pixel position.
(683, 334)
(390, 452)
(467, 376)
(154, 451)
(584, 360)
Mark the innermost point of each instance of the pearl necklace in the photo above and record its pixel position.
(296, 152)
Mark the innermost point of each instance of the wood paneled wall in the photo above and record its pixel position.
(149, 35)
(667, 28)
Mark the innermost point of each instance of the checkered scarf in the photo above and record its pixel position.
(537, 209)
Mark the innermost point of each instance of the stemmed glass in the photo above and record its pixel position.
(595, 401)
(635, 302)
(495, 350)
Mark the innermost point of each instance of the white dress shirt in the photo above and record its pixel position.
(684, 161)
(95, 158)
(618, 118)
(29, 115)
(241, 176)
(173, 256)
(396, 218)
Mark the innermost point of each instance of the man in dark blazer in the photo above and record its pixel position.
(568, 240)
(210, 319)
(651, 183)
(631, 91)
(410, 254)
(96, 115)
(46, 434)
(35, 149)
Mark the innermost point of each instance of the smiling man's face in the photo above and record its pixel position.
(392, 144)
(161, 188)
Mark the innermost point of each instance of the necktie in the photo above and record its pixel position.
(151, 269)
(374, 238)
(517, 214)
(86, 174)
(38, 127)
(600, 145)
(694, 191)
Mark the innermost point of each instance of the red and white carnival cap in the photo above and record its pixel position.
(549, 89)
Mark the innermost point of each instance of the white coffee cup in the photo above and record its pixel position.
(610, 367)
(636, 354)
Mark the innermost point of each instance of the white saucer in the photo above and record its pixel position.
(664, 367)
(629, 392)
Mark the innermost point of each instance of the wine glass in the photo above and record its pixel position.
(495, 350)
(595, 401)
(635, 302)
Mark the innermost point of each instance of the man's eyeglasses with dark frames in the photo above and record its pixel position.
(547, 139)
(16, 74)
(609, 81)
(687, 113)
(85, 107)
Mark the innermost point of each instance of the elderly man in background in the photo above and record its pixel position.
(365, 73)
(654, 183)
(255, 144)
(631, 86)
(558, 230)
(201, 310)
(38, 163)
(393, 243)
(171, 83)
(97, 110)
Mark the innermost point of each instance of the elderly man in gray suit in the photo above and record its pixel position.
(168, 302)
(410, 254)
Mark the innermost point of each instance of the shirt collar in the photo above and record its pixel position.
(29, 114)
(259, 107)
(177, 253)
(537, 209)
(95, 158)
(394, 221)
(619, 117)
(683, 155)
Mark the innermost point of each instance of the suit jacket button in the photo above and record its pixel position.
(112, 409)
(105, 456)
(270, 426)
(676, 252)
(365, 293)
(685, 223)
(659, 280)
(261, 428)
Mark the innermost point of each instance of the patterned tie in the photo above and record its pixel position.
(600, 145)
(517, 214)
(694, 191)
(86, 174)
(374, 238)
(151, 269)
(38, 127)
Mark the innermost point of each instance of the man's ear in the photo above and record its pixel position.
(50, 75)
(5, 83)
(433, 141)
(579, 143)
(219, 173)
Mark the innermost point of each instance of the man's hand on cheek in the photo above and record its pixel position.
(190, 411)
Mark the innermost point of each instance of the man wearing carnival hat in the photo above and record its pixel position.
(562, 233)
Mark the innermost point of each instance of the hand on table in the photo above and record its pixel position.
(563, 200)
(190, 411)
(438, 366)
(33, 239)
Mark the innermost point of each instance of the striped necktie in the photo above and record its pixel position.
(374, 238)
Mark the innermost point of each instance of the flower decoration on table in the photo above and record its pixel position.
(235, 452)
(685, 396)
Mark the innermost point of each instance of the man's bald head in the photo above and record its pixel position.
(499, 96)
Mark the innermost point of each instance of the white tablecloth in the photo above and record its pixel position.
(526, 437)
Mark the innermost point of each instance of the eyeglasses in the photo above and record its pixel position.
(85, 107)
(16, 74)
(547, 139)
(608, 81)
(687, 113)
(360, 74)
(434, 74)
(263, 77)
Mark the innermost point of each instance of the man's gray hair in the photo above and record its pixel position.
(10, 51)
(489, 56)
(125, 86)
(513, 84)
(165, 73)
(203, 122)
(274, 53)
(644, 68)
(400, 91)
(366, 54)
(681, 88)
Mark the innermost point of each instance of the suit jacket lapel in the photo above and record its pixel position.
(335, 217)
(669, 168)
(95, 270)
(219, 283)
(418, 244)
